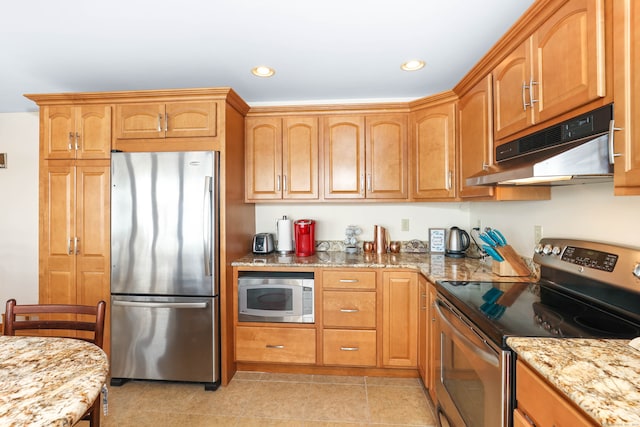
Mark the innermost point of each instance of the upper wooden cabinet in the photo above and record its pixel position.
(560, 67)
(166, 120)
(365, 157)
(475, 137)
(281, 160)
(627, 92)
(433, 149)
(76, 132)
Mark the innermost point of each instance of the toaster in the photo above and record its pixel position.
(263, 243)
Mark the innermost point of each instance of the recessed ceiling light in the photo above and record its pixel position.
(412, 65)
(263, 71)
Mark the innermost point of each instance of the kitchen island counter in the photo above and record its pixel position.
(601, 376)
(433, 266)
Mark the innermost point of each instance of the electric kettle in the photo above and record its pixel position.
(457, 243)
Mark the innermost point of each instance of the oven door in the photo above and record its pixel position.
(473, 383)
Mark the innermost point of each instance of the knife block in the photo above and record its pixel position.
(512, 264)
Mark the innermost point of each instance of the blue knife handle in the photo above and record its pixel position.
(494, 235)
(501, 237)
(493, 253)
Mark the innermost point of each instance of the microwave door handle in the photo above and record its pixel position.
(484, 355)
(143, 304)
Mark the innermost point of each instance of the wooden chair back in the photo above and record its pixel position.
(68, 318)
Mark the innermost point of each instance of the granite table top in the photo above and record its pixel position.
(601, 376)
(433, 266)
(47, 381)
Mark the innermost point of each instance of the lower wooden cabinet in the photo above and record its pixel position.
(540, 405)
(349, 347)
(277, 345)
(400, 319)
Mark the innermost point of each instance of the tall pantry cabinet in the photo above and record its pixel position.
(74, 205)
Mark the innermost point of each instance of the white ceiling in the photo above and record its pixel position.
(329, 50)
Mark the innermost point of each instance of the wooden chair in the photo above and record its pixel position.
(75, 321)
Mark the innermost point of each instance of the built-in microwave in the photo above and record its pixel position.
(276, 297)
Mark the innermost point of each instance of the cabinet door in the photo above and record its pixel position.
(300, 158)
(344, 157)
(92, 249)
(433, 152)
(400, 319)
(512, 109)
(349, 309)
(432, 346)
(189, 119)
(349, 347)
(280, 345)
(263, 158)
(386, 166)
(475, 137)
(423, 324)
(58, 132)
(140, 121)
(93, 132)
(569, 58)
(627, 94)
(57, 233)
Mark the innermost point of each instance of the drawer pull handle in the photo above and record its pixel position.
(349, 348)
(349, 310)
(349, 280)
(275, 346)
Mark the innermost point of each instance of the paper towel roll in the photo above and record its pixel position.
(284, 228)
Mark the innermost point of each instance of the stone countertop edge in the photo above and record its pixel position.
(601, 376)
(433, 266)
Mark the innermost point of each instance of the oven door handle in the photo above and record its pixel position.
(490, 358)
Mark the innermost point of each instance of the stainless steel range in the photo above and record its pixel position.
(586, 289)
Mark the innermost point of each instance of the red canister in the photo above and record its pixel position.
(304, 230)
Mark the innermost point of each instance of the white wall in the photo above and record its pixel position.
(588, 212)
(19, 208)
(332, 219)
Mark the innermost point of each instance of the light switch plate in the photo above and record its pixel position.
(3, 160)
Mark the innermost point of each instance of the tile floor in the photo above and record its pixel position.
(262, 399)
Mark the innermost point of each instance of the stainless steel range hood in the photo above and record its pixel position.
(573, 152)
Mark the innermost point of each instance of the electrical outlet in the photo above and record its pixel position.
(537, 233)
(479, 224)
(404, 224)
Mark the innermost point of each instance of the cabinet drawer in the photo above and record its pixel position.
(349, 279)
(349, 309)
(281, 345)
(349, 347)
(543, 404)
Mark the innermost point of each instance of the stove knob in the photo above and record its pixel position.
(556, 250)
(547, 249)
(636, 270)
(538, 248)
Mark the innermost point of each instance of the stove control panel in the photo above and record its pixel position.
(590, 258)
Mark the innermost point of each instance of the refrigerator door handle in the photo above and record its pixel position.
(160, 304)
(208, 218)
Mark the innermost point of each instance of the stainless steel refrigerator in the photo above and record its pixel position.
(164, 272)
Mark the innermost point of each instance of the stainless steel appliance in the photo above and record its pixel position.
(263, 243)
(458, 242)
(576, 151)
(586, 289)
(164, 274)
(276, 297)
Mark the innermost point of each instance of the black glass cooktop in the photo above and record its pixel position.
(507, 309)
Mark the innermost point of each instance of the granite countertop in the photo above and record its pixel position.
(433, 266)
(48, 381)
(601, 376)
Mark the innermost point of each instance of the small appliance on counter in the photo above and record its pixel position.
(457, 243)
(263, 243)
(305, 237)
(380, 239)
(284, 232)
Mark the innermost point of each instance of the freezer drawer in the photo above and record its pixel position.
(164, 338)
